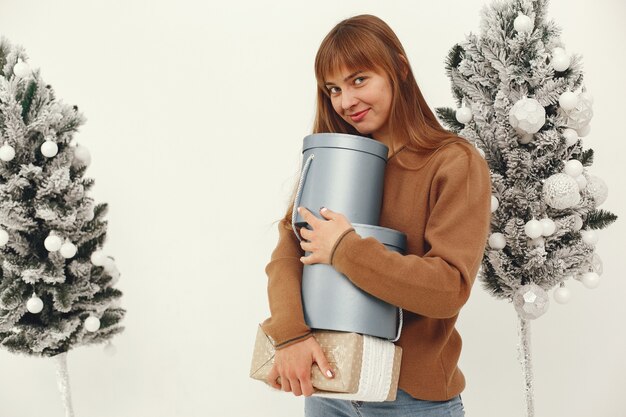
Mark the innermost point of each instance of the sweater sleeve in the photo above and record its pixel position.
(437, 284)
(286, 325)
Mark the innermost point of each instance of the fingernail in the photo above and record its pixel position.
(299, 209)
(322, 208)
(329, 373)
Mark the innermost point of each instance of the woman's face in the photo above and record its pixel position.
(363, 99)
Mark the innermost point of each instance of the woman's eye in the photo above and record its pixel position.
(333, 90)
(359, 80)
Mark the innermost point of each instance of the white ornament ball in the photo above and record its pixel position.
(571, 137)
(53, 243)
(590, 280)
(110, 349)
(49, 149)
(523, 23)
(578, 223)
(561, 62)
(558, 51)
(497, 241)
(68, 250)
(568, 100)
(4, 237)
(560, 191)
(527, 115)
(524, 138)
(548, 227)
(34, 305)
(494, 203)
(81, 156)
(109, 265)
(92, 323)
(584, 131)
(562, 295)
(533, 228)
(7, 153)
(463, 115)
(598, 189)
(531, 301)
(579, 116)
(596, 264)
(98, 258)
(581, 180)
(590, 237)
(21, 69)
(573, 168)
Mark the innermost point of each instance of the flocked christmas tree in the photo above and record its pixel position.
(522, 102)
(56, 283)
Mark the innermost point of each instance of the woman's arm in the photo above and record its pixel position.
(437, 284)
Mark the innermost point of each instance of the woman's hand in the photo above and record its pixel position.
(322, 238)
(292, 364)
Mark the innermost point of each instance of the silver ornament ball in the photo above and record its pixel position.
(531, 301)
(560, 191)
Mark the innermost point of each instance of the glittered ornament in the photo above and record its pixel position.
(571, 137)
(596, 264)
(68, 250)
(581, 180)
(463, 115)
(49, 149)
(7, 153)
(578, 223)
(523, 23)
(562, 295)
(82, 157)
(560, 191)
(590, 237)
(561, 62)
(573, 168)
(531, 301)
(34, 304)
(527, 116)
(568, 100)
(53, 243)
(597, 188)
(92, 323)
(4, 237)
(494, 203)
(21, 69)
(98, 258)
(579, 115)
(590, 280)
(497, 241)
(548, 227)
(533, 228)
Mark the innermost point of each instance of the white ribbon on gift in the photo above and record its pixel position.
(376, 372)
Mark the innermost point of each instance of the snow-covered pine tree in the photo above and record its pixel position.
(56, 284)
(521, 101)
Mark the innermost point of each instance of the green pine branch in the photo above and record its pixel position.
(448, 116)
(599, 219)
(27, 100)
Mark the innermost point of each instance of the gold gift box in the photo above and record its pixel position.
(344, 352)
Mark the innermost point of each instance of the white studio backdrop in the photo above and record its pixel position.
(196, 113)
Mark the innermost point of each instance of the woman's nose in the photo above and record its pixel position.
(348, 100)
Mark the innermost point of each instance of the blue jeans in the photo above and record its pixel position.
(403, 406)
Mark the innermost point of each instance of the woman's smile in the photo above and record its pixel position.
(357, 117)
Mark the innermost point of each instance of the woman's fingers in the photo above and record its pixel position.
(272, 378)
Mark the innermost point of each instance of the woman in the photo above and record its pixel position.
(437, 190)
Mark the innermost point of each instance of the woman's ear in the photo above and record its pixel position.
(405, 66)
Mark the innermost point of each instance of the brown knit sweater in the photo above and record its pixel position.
(441, 200)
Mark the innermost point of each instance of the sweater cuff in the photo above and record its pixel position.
(334, 249)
